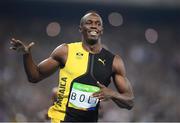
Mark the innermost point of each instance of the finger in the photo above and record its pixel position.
(100, 85)
(13, 48)
(98, 95)
(102, 100)
(15, 42)
(95, 94)
(19, 41)
(11, 42)
(31, 44)
(13, 39)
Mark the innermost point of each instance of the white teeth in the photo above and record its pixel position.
(93, 33)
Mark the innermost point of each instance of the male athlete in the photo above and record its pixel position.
(86, 69)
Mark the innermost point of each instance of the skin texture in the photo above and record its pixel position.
(89, 23)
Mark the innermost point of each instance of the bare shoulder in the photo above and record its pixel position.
(63, 48)
(118, 65)
(60, 53)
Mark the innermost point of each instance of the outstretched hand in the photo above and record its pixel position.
(104, 93)
(20, 46)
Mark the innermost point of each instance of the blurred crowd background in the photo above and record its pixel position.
(145, 33)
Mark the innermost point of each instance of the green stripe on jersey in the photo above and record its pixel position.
(85, 87)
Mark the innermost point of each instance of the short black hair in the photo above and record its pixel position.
(90, 12)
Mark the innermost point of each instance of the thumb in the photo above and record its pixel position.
(30, 45)
(100, 85)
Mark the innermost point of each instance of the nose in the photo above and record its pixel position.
(93, 26)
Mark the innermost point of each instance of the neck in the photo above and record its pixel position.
(95, 48)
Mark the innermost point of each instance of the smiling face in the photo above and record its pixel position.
(91, 28)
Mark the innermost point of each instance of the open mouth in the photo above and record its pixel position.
(93, 33)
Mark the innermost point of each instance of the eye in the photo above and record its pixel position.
(88, 22)
(98, 23)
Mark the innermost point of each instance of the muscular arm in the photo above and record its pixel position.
(35, 73)
(124, 97)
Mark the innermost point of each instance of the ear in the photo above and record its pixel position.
(102, 30)
(80, 29)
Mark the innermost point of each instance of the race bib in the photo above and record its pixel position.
(81, 96)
